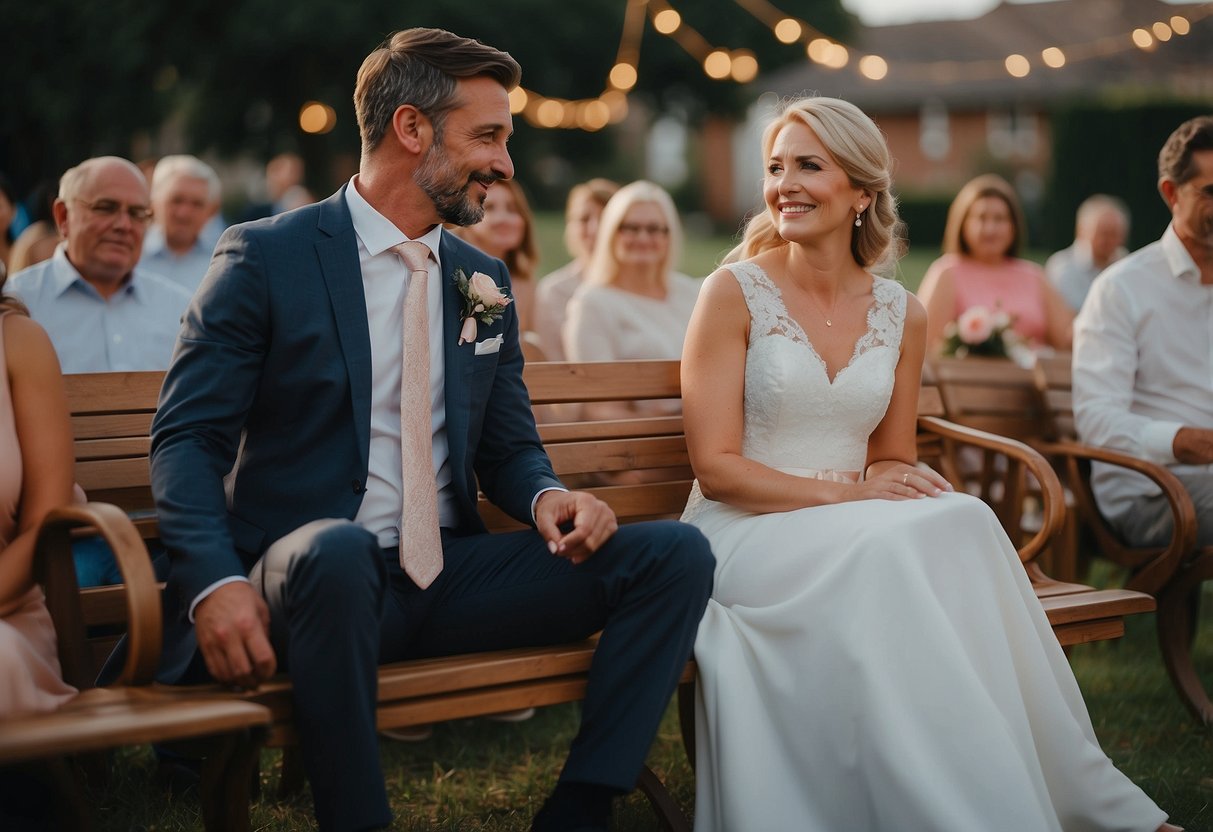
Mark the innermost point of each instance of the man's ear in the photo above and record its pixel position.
(412, 129)
(1169, 191)
(59, 212)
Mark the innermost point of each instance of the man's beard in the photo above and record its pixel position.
(439, 180)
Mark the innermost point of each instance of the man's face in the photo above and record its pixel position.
(1107, 234)
(470, 154)
(102, 223)
(182, 209)
(1192, 203)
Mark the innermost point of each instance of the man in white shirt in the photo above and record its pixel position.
(102, 312)
(1143, 352)
(185, 196)
(1101, 229)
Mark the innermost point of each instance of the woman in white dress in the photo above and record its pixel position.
(873, 656)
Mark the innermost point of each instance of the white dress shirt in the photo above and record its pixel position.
(186, 270)
(1143, 365)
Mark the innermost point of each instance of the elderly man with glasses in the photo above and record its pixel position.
(103, 313)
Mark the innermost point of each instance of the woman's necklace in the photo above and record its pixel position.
(830, 317)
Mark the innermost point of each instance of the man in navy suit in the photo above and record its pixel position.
(276, 463)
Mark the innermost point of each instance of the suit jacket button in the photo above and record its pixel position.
(357, 486)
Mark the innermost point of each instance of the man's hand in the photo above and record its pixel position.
(592, 519)
(1193, 446)
(232, 624)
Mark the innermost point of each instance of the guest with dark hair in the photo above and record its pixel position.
(37, 241)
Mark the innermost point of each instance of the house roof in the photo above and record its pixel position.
(960, 62)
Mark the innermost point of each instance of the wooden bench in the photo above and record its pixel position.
(1172, 573)
(112, 416)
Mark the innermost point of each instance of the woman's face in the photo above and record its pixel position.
(582, 228)
(503, 227)
(988, 229)
(807, 192)
(643, 237)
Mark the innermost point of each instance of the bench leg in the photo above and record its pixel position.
(293, 778)
(1176, 623)
(227, 776)
(668, 812)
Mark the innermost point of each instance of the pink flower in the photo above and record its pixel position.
(482, 288)
(468, 333)
(975, 325)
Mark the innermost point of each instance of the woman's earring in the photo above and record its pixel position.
(858, 220)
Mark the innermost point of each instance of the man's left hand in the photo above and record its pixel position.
(592, 520)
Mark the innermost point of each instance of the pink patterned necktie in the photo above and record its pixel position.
(420, 543)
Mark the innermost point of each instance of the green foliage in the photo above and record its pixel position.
(925, 216)
(1110, 147)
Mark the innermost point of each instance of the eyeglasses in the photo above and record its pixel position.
(635, 230)
(139, 214)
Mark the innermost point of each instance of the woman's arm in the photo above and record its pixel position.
(938, 295)
(1059, 318)
(44, 435)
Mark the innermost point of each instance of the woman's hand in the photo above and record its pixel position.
(900, 481)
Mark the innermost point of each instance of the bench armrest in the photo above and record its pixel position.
(56, 571)
(1053, 506)
(1157, 571)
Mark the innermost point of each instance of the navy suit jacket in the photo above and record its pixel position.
(264, 418)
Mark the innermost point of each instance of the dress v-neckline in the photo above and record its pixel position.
(804, 336)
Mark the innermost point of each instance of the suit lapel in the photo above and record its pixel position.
(455, 359)
(337, 249)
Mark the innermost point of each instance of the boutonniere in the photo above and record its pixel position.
(483, 300)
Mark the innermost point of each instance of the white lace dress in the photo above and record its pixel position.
(877, 665)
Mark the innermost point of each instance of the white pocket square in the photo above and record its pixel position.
(488, 345)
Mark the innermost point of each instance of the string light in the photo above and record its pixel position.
(741, 66)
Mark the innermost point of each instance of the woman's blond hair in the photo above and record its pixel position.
(858, 146)
(603, 268)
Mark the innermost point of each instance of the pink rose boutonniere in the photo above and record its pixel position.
(483, 300)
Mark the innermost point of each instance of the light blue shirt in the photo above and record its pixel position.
(186, 270)
(134, 330)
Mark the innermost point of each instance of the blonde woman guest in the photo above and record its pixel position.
(36, 476)
(582, 213)
(984, 236)
(632, 304)
(873, 656)
(507, 232)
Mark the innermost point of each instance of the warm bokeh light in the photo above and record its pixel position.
(617, 104)
(593, 115)
(873, 67)
(667, 21)
(718, 64)
(788, 30)
(518, 99)
(1018, 65)
(1142, 39)
(1161, 31)
(1180, 25)
(745, 66)
(819, 49)
(623, 76)
(837, 57)
(550, 113)
(317, 117)
(1053, 57)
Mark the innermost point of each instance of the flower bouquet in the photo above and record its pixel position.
(984, 332)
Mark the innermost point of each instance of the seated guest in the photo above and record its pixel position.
(103, 313)
(507, 232)
(632, 304)
(1143, 372)
(984, 235)
(36, 476)
(581, 215)
(1100, 232)
(38, 240)
(185, 196)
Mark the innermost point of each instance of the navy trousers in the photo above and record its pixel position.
(340, 605)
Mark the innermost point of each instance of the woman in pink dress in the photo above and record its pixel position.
(35, 476)
(981, 267)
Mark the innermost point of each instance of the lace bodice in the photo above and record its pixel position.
(795, 417)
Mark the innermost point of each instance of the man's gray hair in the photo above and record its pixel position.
(73, 179)
(171, 168)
